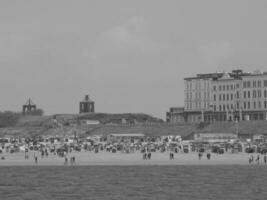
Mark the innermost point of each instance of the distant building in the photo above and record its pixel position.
(90, 122)
(175, 115)
(223, 97)
(29, 106)
(215, 137)
(87, 105)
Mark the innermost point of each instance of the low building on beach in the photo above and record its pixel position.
(215, 137)
(130, 137)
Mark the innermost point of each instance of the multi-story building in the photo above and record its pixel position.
(253, 101)
(225, 97)
(197, 96)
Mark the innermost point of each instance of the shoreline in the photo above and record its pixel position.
(131, 159)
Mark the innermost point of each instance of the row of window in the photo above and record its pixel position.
(255, 94)
(254, 84)
(254, 105)
(246, 94)
(224, 107)
(197, 105)
(198, 95)
(224, 87)
(223, 97)
(246, 84)
(246, 106)
(197, 84)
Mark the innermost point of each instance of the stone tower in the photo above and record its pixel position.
(87, 105)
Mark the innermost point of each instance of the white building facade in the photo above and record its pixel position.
(225, 97)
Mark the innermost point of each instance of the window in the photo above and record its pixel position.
(237, 105)
(265, 93)
(214, 88)
(265, 104)
(232, 87)
(245, 84)
(265, 83)
(248, 105)
(259, 93)
(254, 93)
(220, 97)
(259, 83)
(232, 96)
(227, 107)
(223, 87)
(254, 84)
(220, 87)
(245, 94)
(214, 97)
(245, 105)
(227, 87)
(237, 95)
(232, 107)
(248, 94)
(248, 84)
(259, 103)
(227, 96)
(223, 107)
(223, 96)
(220, 107)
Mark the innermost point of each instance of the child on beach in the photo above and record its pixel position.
(199, 155)
(208, 156)
(66, 160)
(171, 155)
(35, 158)
(258, 159)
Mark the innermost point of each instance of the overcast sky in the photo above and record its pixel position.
(130, 56)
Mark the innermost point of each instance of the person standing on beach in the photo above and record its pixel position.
(251, 158)
(265, 158)
(258, 159)
(199, 155)
(66, 160)
(35, 158)
(171, 155)
(208, 156)
(149, 155)
(144, 156)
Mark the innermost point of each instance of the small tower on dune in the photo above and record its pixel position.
(87, 105)
(28, 106)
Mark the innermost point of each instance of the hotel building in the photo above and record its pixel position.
(223, 97)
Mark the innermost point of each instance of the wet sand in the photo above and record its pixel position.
(106, 158)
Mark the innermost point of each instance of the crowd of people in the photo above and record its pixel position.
(66, 148)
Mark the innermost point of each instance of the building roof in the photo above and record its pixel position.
(235, 74)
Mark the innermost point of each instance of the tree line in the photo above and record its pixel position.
(9, 118)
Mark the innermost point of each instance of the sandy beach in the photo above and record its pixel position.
(106, 158)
